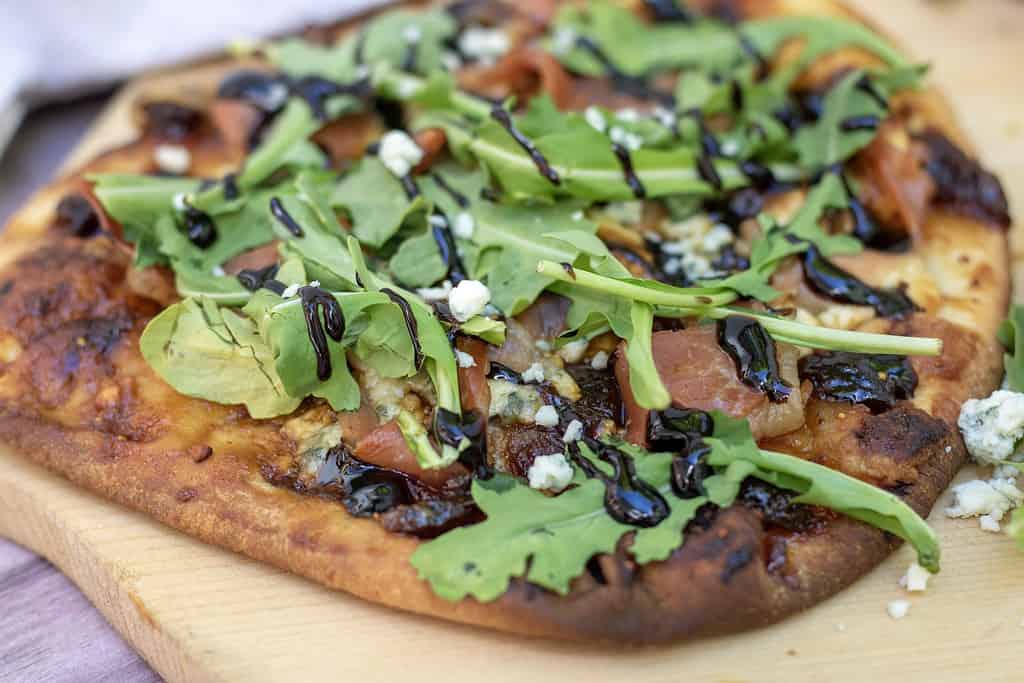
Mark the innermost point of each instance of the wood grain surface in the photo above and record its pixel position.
(201, 614)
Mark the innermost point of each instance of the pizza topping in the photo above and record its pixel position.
(200, 227)
(876, 381)
(753, 352)
(76, 215)
(627, 499)
(172, 159)
(962, 184)
(317, 303)
(829, 279)
(170, 120)
(477, 243)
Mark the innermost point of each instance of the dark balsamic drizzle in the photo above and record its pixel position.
(230, 183)
(453, 430)
(410, 325)
(668, 11)
(829, 279)
(315, 301)
(454, 268)
(365, 489)
(877, 381)
(627, 498)
(682, 430)
(570, 271)
(284, 218)
(628, 173)
(630, 85)
(504, 373)
(761, 177)
(412, 50)
(708, 173)
(412, 190)
(753, 352)
(460, 199)
(868, 87)
(316, 91)
(864, 228)
(200, 227)
(853, 124)
(255, 278)
(505, 120)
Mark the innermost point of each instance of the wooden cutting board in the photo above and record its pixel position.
(197, 613)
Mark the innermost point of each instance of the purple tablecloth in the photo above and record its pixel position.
(49, 632)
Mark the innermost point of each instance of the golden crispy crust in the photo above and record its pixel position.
(76, 396)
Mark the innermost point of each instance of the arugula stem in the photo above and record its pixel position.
(712, 303)
(685, 298)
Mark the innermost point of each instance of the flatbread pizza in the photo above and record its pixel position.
(614, 321)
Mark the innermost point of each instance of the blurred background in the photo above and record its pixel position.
(62, 61)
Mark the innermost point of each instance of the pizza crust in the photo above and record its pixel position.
(113, 427)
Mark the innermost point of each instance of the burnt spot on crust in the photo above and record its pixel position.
(170, 120)
(962, 184)
(901, 435)
(735, 561)
(186, 494)
(66, 281)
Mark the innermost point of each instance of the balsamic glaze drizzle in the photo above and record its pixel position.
(630, 85)
(315, 301)
(753, 352)
(499, 114)
(867, 86)
(708, 173)
(255, 278)
(853, 124)
(454, 269)
(200, 227)
(284, 218)
(829, 279)
(364, 489)
(682, 431)
(410, 325)
(864, 228)
(667, 11)
(453, 430)
(460, 199)
(412, 190)
(230, 183)
(628, 173)
(877, 381)
(627, 498)
(504, 373)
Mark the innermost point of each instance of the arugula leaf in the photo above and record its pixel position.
(1016, 527)
(546, 540)
(490, 330)
(375, 201)
(820, 35)
(1011, 336)
(825, 142)
(214, 353)
(638, 48)
(775, 243)
(733, 447)
(519, 236)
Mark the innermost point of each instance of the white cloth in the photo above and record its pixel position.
(51, 49)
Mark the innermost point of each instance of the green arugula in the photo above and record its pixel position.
(216, 354)
(549, 540)
(1011, 336)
